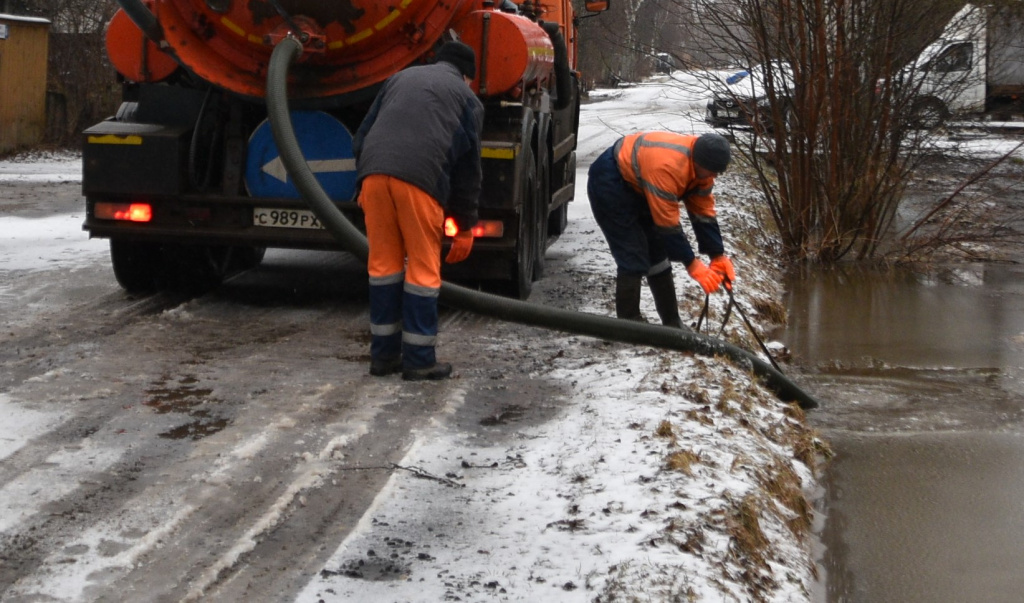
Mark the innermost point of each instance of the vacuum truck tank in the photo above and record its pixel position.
(186, 181)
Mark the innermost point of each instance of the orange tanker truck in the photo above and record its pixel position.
(188, 185)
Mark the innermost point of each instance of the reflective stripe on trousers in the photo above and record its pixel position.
(403, 228)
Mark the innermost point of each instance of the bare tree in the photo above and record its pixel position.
(621, 44)
(845, 122)
(17, 7)
(82, 86)
(831, 145)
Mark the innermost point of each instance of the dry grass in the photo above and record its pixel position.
(697, 394)
(772, 311)
(700, 417)
(750, 546)
(729, 394)
(748, 539)
(796, 413)
(810, 449)
(781, 483)
(682, 461)
(664, 430)
(637, 582)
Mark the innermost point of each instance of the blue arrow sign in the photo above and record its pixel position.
(325, 142)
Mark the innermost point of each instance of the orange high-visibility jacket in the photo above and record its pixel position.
(659, 166)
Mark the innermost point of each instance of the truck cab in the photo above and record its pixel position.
(952, 69)
(976, 62)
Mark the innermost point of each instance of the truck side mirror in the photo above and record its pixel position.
(596, 6)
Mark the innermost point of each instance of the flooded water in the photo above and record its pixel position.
(922, 382)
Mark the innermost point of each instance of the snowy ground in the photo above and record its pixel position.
(665, 477)
(42, 166)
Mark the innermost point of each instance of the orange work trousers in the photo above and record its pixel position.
(402, 222)
(404, 228)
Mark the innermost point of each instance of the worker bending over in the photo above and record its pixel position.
(637, 188)
(418, 158)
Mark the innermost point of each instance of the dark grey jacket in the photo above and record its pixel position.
(424, 128)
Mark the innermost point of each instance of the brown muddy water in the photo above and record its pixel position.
(922, 383)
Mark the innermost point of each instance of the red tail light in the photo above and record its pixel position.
(125, 212)
(450, 227)
(484, 228)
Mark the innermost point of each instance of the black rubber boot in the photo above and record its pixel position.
(663, 288)
(627, 297)
(382, 367)
(441, 370)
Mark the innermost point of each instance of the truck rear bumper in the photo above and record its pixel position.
(232, 221)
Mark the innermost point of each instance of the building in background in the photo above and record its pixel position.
(24, 46)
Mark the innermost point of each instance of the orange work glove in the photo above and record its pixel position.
(723, 265)
(709, 279)
(462, 244)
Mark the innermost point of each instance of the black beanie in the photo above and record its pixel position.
(461, 56)
(711, 152)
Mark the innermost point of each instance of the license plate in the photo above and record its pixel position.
(285, 218)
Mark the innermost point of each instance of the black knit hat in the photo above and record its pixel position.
(461, 56)
(711, 152)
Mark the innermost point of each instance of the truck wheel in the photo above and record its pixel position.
(137, 266)
(522, 271)
(543, 204)
(247, 258)
(928, 114)
(558, 220)
(197, 268)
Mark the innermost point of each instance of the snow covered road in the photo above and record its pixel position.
(232, 446)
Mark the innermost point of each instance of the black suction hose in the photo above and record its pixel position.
(563, 75)
(601, 327)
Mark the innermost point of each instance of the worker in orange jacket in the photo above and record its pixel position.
(418, 159)
(637, 189)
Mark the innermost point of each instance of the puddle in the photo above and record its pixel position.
(922, 382)
(970, 317)
(182, 396)
(198, 429)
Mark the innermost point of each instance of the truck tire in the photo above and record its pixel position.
(137, 266)
(142, 267)
(522, 270)
(196, 269)
(927, 113)
(558, 220)
(543, 199)
(247, 258)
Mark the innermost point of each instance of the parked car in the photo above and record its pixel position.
(740, 98)
(664, 63)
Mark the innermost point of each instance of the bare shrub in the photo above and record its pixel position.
(843, 127)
